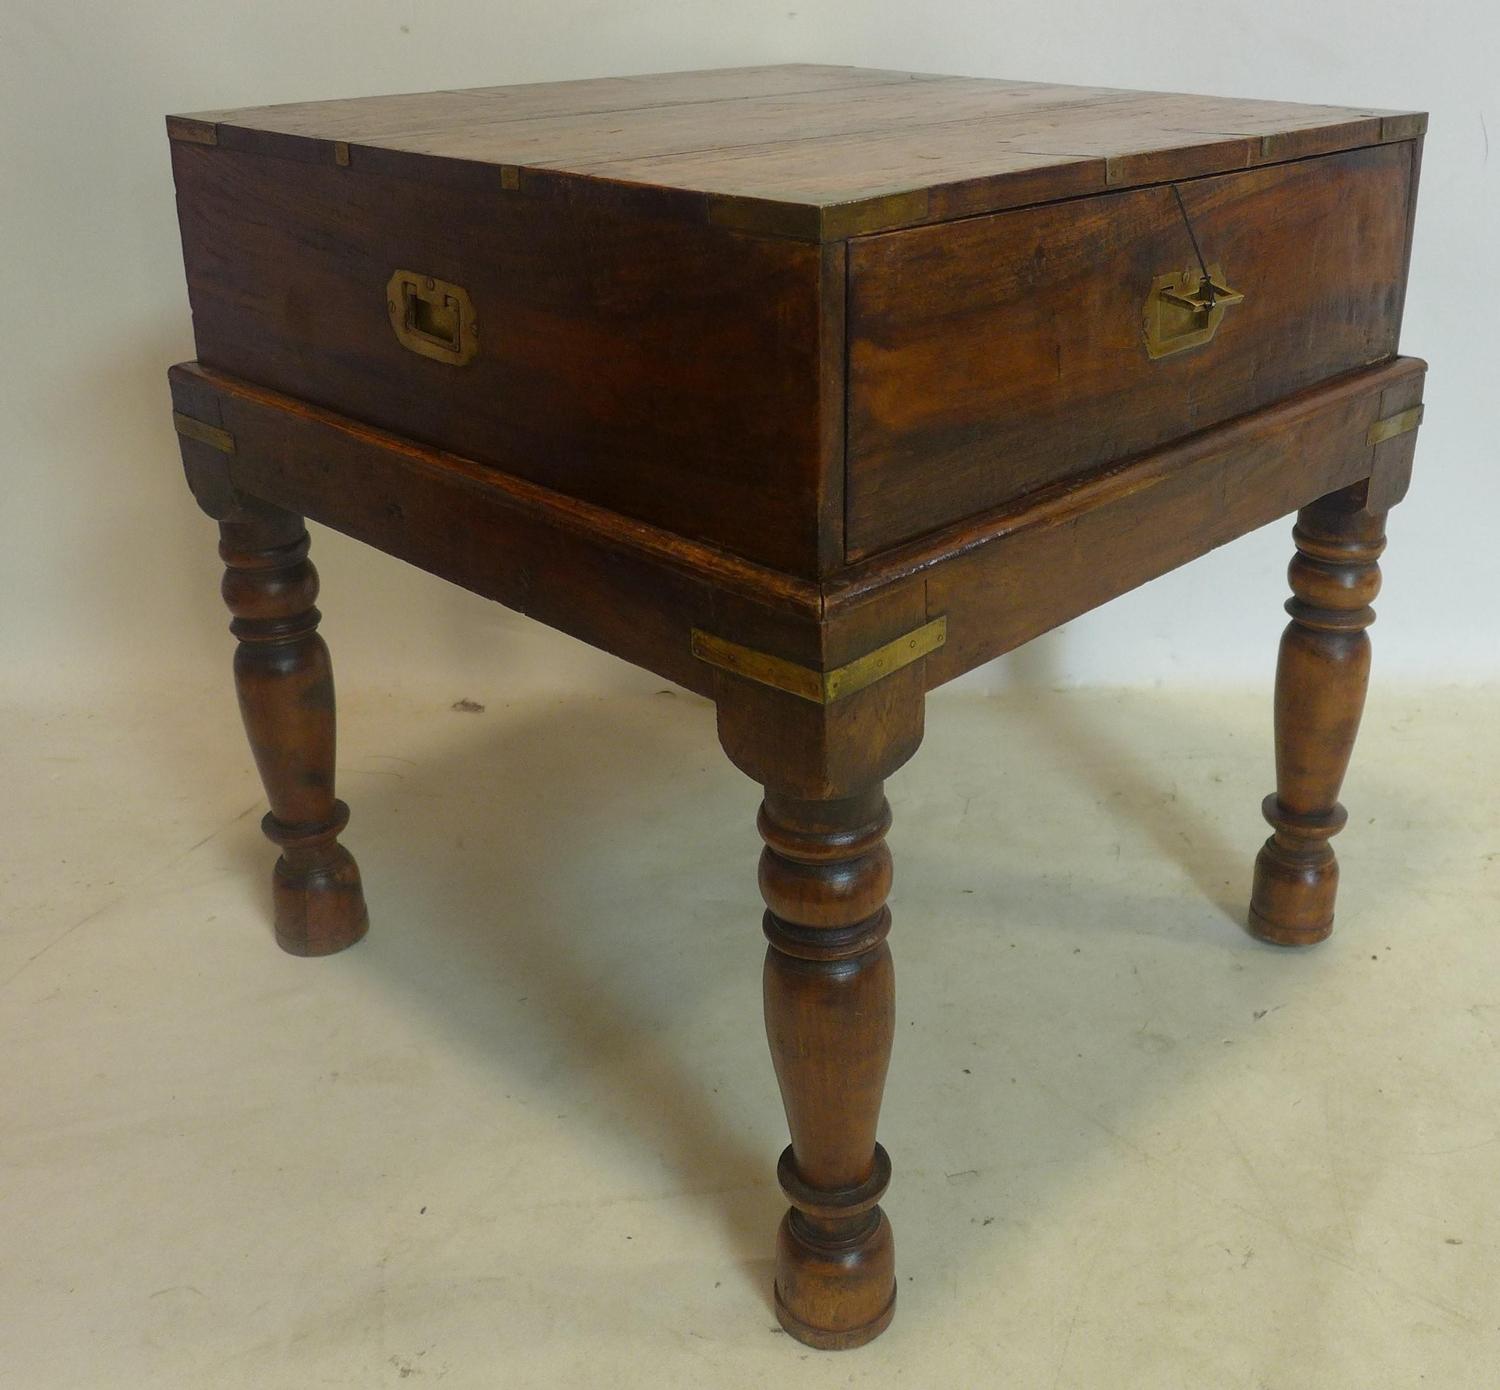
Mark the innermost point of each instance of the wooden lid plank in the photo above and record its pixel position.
(807, 151)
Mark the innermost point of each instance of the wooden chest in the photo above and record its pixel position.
(802, 314)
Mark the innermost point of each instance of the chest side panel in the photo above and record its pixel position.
(674, 373)
(993, 356)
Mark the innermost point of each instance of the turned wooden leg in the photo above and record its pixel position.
(285, 684)
(822, 756)
(829, 1002)
(1321, 678)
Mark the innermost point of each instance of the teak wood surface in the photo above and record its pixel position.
(809, 389)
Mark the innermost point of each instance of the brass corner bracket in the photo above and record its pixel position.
(211, 435)
(820, 687)
(1393, 425)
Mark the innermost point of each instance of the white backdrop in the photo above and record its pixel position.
(109, 571)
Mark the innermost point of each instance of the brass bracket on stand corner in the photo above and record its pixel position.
(211, 435)
(820, 687)
(1393, 425)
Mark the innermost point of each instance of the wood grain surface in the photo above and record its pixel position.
(690, 376)
(990, 357)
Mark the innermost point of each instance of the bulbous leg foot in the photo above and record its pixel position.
(835, 1275)
(320, 902)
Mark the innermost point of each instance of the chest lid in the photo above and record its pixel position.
(810, 152)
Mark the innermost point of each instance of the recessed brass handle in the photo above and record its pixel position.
(1185, 309)
(432, 317)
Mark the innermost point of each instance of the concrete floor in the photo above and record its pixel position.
(524, 1134)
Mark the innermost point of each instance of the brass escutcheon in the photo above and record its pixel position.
(1185, 308)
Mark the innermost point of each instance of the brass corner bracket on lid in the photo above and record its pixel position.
(820, 687)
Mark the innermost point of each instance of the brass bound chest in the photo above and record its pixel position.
(804, 313)
(809, 389)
